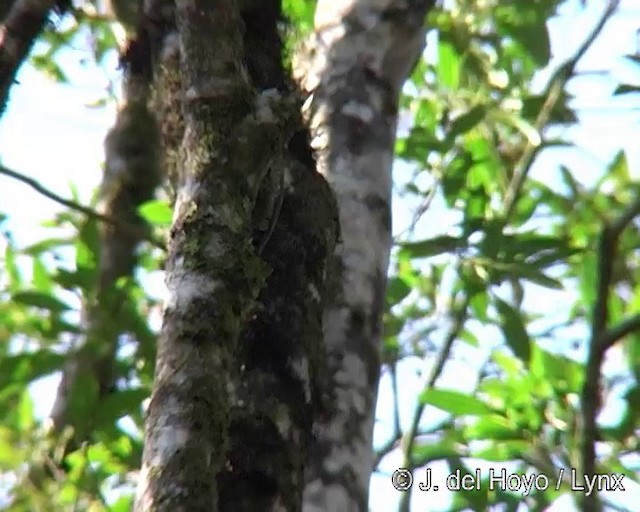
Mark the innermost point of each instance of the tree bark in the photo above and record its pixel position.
(239, 371)
(20, 27)
(363, 52)
(242, 378)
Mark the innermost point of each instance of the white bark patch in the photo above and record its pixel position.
(170, 47)
(184, 199)
(214, 87)
(144, 499)
(169, 440)
(283, 422)
(335, 498)
(186, 286)
(301, 369)
(266, 103)
(353, 371)
(314, 292)
(353, 38)
(359, 110)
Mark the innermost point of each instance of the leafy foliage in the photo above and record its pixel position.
(477, 128)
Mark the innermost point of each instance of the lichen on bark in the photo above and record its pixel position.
(229, 420)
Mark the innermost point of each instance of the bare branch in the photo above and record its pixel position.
(625, 219)
(459, 316)
(621, 330)
(89, 212)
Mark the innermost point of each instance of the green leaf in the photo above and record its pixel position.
(424, 453)
(455, 176)
(40, 300)
(619, 168)
(300, 12)
(480, 304)
(467, 121)
(49, 67)
(565, 375)
(588, 279)
(29, 366)
(41, 276)
(45, 245)
(156, 213)
(104, 39)
(82, 278)
(454, 402)
(503, 451)
(526, 24)
(448, 69)
(432, 246)
(122, 504)
(397, 290)
(626, 89)
(469, 338)
(88, 245)
(492, 426)
(569, 181)
(513, 330)
(119, 404)
(24, 417)
(11, 266)
(82, 400)
(528, 272)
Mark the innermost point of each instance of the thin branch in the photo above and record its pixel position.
(459, 317)
(397, 432)
(394, 441)
(556, 86)
(396, 397)
(420, 211)
(89, 212)
(601, 340)
(18, 31)
(621, 330)
(632, 211)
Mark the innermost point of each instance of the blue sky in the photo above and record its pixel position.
(49, 133)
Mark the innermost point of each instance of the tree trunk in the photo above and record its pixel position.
(22, 23)
(363, 52)
(245, 376)
(132, 174)
(237, 377)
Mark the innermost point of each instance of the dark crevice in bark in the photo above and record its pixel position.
(278, 363)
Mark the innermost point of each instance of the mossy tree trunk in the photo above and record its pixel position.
(238, 368)
(268, 361)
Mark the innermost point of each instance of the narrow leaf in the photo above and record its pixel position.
(513, 330)
(40, 300)
(455, 402)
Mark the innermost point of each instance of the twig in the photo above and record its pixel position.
(397, 432)
(420, 211)
(89, 212)
(557, 84)
(621, 330)
(601, 340)
(396, 397)
(459, 317)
